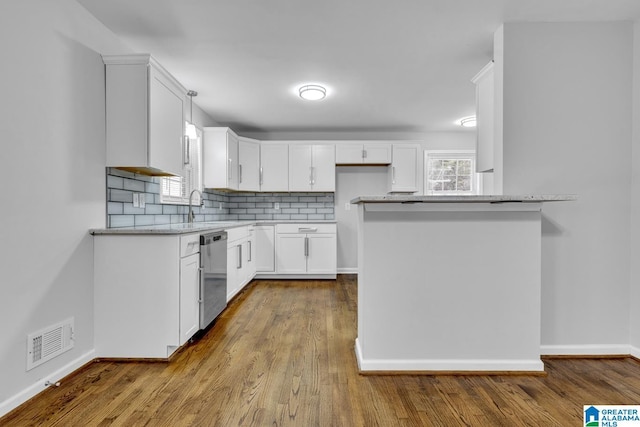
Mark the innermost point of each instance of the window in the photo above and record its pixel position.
(450, 172)
(176, 189)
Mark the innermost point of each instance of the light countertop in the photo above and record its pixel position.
(196, 227)
(404, 198)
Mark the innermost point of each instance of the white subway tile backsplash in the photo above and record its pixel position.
(218, 206)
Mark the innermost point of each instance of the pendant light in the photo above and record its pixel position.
(190, 128)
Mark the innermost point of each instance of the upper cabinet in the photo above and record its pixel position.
(373, 153)
(403, 172)
(248, 164)
(486, 119)
(274, 167)
(144, 116)
(220, 158)
(312, 167)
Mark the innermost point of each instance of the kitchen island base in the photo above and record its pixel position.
(449, 287)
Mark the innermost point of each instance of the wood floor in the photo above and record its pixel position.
(282, 355)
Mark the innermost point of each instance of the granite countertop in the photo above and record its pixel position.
(403, 198)
(196, 227)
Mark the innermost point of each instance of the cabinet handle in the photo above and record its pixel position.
(230, 163)
(306, 246)
(186, 155)
(250, 251)
(364, 154)
(239, 173)
(313, 175)
(239, 263)
(393, 174)
(261, 180)
(307, 229)
(310, 175)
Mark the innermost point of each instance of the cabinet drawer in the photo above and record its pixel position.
(305, 228)
(237, 233)
(189, 244)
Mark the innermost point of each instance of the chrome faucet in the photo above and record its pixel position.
(190, 216)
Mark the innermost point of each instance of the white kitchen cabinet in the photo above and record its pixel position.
(265, 248)
(403, 171)
(274, 167)
(373, 153)
(485, 118)
(145, 294)
(144, 116)
(240, 259)
(248, 164)
(220, 158)
(306, 249)
(189, 288)
(312, 167)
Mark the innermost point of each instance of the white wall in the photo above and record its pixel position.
(634, 320)
(52, 133)
(567, 129)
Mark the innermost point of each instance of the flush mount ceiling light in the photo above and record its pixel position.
(468, 122)
(312, 92)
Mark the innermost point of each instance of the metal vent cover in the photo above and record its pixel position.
(49, 342)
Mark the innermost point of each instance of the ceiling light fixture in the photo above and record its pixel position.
(468, 122)
(312, 92)
(190, 127)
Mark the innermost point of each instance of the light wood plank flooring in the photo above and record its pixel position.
(282, 355)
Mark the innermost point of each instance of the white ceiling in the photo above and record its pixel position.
(392, 66)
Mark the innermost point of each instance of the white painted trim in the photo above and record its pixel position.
(271, 276)
(460, 365)
(586, 350)
(29, 392)
(348, 270)
(635, 352)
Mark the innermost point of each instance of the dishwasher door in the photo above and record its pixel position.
(213, 276)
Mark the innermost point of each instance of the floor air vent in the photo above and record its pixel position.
(49, 342)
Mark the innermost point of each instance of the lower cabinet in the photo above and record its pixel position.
(306, 249)
(146, 290)
(241, 265)
(265, 248)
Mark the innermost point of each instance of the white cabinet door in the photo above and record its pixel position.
(166, 125)
(248, 165)
(220, 158)
(323, 166)
(300, 167)
(321, 254)
(377, 154)
(485, 117)
(250, 258)
(348, 154)
(189, 295)
(144, 116)
(265, 248)
(274, 167)
(403, 173)
(290, 254)
(233, 271)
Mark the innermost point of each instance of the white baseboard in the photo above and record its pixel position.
(29, 392)
(434, 365)
(635, 352)
(348, 270)
(586, 350)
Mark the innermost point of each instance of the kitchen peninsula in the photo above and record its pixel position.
(449, 283)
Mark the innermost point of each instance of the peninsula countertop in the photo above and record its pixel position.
(404, 198)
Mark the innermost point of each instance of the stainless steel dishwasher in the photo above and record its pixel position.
(213, 276)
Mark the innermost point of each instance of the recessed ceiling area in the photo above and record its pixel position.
(392, 66)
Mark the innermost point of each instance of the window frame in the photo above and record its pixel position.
(476, 178)
(192, 170)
